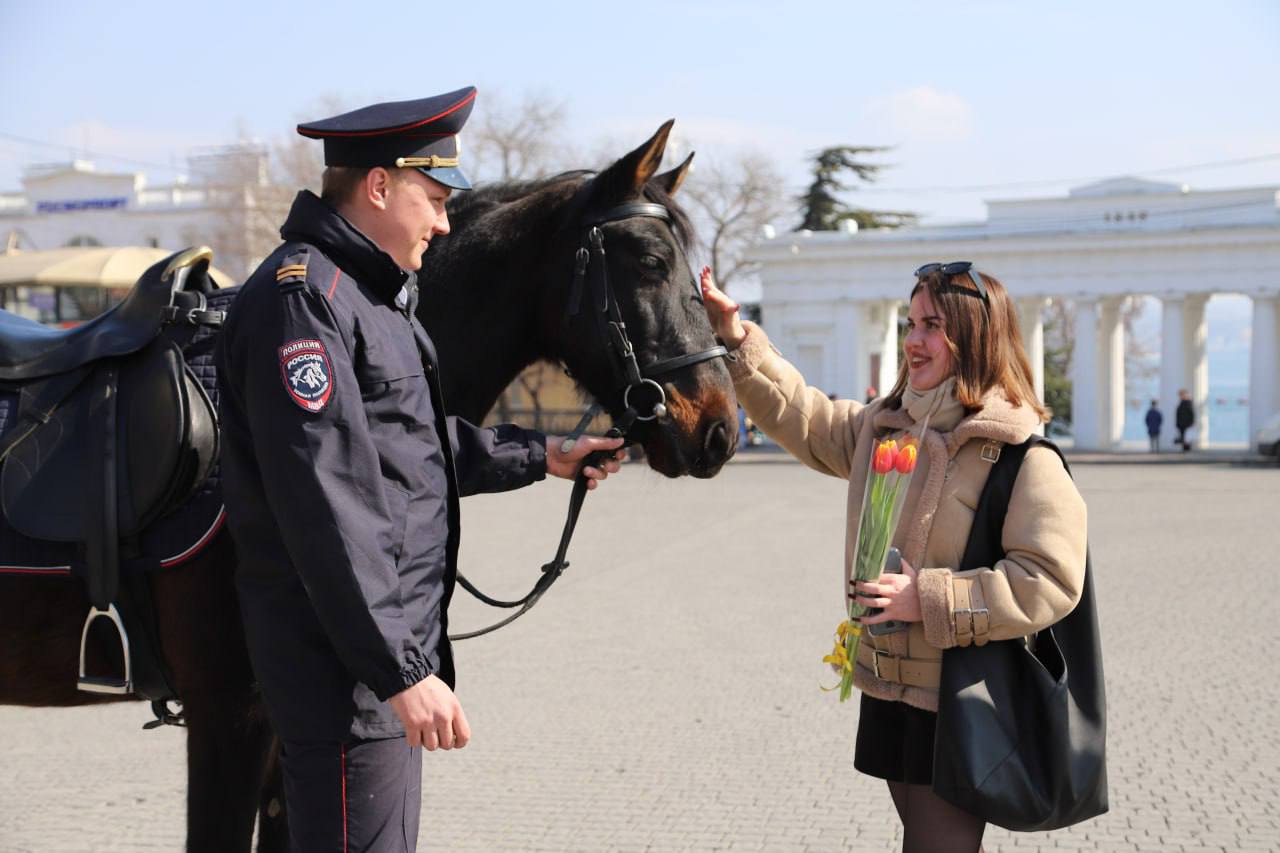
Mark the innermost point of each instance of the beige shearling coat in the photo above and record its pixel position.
(1039, 581)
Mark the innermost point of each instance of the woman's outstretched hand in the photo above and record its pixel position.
(722, 312)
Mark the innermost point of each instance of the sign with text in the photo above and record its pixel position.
(80, 204)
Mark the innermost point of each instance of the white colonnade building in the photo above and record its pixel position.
(831, 300)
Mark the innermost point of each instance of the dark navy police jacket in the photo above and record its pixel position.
(341, 490)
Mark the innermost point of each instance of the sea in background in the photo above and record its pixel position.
(1228, 320)
(1228, 414)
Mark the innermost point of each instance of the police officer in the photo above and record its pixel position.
(342, 476)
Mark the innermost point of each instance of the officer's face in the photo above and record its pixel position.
(414, 214)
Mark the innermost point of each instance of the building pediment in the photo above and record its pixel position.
(1125, 186)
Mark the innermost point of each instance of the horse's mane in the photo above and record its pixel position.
(516, 196)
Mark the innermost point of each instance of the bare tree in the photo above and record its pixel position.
(731, 202)
(516, 140)
(250, 187)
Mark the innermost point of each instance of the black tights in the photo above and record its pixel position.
(932, 825)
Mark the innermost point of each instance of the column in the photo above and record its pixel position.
(849, 346)
(1111, 371)
(1173, 362)
(1264, 361)
(1195, 351)
(1184, 363)
(1031, 322)
(1086, 418)
(888, 347)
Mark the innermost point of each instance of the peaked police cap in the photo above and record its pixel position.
(421, 134)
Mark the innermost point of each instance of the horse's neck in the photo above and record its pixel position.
(481, 351)
(481, 308)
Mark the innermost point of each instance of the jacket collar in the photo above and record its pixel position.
(998, 420)
(312, 220)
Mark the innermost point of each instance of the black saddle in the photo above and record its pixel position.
(113, 430)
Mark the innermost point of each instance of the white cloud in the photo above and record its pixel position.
(925, 114)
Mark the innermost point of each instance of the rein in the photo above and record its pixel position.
(589, 267)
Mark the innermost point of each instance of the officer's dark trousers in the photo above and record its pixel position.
(363, 796)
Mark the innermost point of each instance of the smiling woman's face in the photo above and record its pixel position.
(925, 348)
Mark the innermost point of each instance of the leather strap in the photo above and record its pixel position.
(673, 364)
(626, 211)
(963, 613)
(981, 616)
(38, 402)
(887, 667)
(550, 571)
(102, 538)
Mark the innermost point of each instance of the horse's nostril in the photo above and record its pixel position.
(717, 442)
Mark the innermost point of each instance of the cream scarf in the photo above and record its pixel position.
(938, 403)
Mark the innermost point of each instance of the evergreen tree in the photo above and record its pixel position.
(821, 205)
(1057, 375)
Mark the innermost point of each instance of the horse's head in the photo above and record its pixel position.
(625, 240)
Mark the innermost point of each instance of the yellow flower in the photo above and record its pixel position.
(839, 658)
(846, 628)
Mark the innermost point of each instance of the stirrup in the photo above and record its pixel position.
(106, 683)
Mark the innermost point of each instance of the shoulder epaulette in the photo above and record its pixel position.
(292, 272)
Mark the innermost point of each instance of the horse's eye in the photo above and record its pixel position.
(652, 262)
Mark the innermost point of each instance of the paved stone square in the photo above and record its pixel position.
(664, 696)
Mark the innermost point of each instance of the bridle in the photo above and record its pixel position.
(591, 278)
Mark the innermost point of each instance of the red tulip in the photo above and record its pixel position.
(906, 462)
(885, 457)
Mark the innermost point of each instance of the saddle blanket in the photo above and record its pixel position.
(169, 541)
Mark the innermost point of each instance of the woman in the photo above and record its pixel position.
(964, 369)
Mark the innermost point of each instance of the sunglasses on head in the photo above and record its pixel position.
(957, 268)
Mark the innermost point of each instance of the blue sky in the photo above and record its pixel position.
(989, 94)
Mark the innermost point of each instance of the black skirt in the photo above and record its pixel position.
(895, 741)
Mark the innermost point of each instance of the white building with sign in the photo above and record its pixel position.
(831, 300)
(74, 204)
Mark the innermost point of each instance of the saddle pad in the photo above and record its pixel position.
(168, 542)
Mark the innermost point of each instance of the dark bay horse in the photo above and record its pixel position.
(495, 296)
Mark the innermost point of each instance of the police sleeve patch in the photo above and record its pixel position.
(308, 378)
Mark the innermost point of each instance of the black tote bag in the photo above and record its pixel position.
(1021, 736)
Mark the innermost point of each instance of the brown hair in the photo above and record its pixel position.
(338, 184)
(985, 341)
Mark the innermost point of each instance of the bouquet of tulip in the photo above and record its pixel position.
(886, 492)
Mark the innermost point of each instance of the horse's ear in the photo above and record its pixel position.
(627, 177)
(671, 181)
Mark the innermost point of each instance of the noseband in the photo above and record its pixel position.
(590, 269)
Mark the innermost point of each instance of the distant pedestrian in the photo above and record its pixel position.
(1154, 420)
(1184, 418)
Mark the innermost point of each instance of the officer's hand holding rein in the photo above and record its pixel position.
(565, 465)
